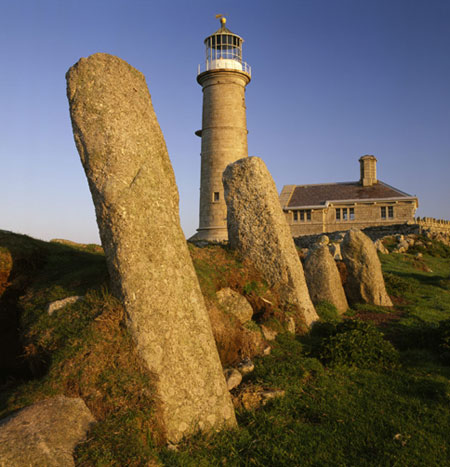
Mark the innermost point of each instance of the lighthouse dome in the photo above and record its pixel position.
(224, 51)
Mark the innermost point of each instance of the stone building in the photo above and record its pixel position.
(330, 207)
(223, 78)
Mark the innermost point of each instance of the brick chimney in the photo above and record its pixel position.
(368, 170)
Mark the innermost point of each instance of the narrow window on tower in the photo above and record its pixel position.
(383, 212)
(216, 196)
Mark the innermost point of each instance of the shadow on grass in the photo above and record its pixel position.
(32, 274)
(434, 280)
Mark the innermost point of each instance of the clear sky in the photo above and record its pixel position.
(332, 80)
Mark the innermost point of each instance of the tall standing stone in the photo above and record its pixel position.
(323, 278)
(257, 228)
(365, 283)
(133, 187)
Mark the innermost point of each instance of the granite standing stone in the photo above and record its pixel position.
(365, 283)
(135, 195)
(257, 228)
(323, 278)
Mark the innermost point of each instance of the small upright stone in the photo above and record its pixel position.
(257, 228)
(135, 195)
(323, 278)
(365, 283)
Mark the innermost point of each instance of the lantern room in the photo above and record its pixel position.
(224, 51)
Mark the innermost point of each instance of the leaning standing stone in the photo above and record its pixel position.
(323, 278)
(365, 283)
(258, 229)
(133, 187)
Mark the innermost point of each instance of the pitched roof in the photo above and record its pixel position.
(316, 195)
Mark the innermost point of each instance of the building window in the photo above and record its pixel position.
(383, 212)
(302, 215)
(391, 212)
(216, 196)
(345, 214)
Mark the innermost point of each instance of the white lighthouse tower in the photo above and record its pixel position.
(223, 78)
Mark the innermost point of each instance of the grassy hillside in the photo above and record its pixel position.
(370, 390)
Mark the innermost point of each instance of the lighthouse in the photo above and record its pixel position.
(223, 78)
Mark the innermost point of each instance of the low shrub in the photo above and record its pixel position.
(444, 341)
(327, 311)
(286, 364)
(358, 344)
(433, 337)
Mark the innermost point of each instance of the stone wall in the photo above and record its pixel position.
(374, 233)
(433, 225)
(418, 226)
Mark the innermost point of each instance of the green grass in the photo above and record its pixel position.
(346, 415)
(346, 402)
(334, 417)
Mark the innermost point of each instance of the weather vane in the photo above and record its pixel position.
(222, 18)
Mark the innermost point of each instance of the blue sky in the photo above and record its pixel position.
(332, 80)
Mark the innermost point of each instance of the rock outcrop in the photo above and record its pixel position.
(45, 433)
(323, 278)
(258, 230)
(135, 195)
(234, 340)
(235, 304)
(364, 283)
(58, 304)
(379, 246)
(233, 378)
